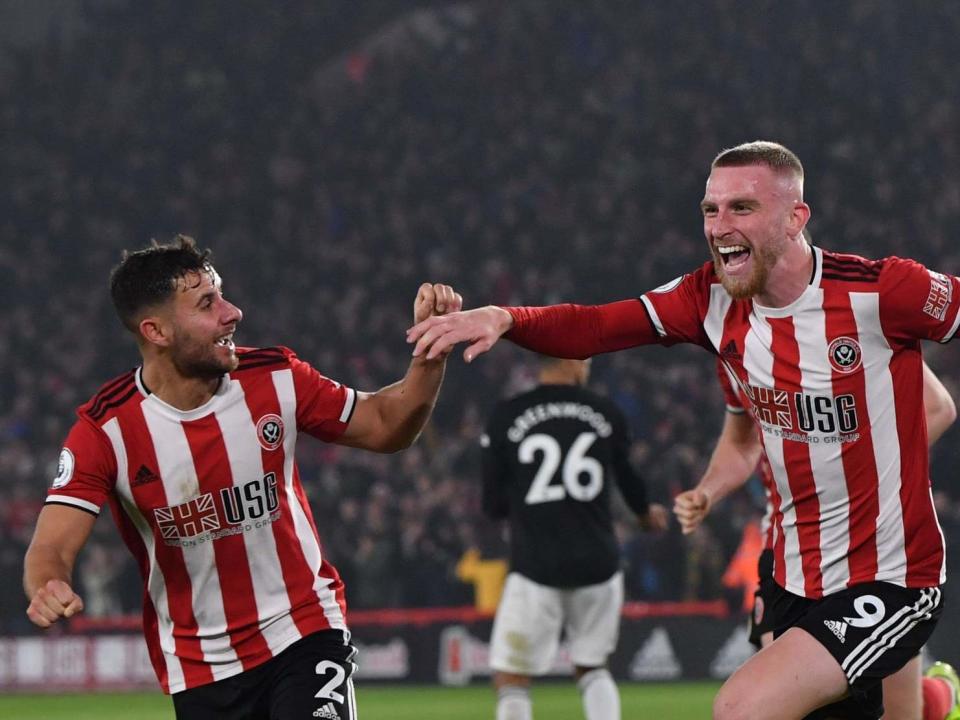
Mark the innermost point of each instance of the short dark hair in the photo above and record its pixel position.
(760, 152)
(148, 277)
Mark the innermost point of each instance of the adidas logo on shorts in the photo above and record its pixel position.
(327, 712)
(838, 628)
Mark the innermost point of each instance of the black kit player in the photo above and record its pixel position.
(546, 457)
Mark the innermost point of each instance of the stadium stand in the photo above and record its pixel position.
(338, 162)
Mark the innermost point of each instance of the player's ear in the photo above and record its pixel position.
(155, 331)
(799, 217)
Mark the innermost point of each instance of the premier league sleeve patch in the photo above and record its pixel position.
(64, 468)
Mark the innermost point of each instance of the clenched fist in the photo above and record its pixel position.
(435, 299)
(53, 601)
(691, 507)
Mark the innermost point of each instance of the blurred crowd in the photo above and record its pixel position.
(526, 152)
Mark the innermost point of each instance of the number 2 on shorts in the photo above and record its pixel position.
(327, 692)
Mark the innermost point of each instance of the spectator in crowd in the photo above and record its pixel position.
(522, 171)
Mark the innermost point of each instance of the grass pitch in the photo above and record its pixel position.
(556, 701)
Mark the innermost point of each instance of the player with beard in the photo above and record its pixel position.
(737, 455)
(826, 347)
(244, 617)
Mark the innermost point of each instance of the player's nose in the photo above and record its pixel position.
(233, 313)
(719, 225)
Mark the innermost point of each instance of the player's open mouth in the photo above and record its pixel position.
(226, 342)
(734, 257)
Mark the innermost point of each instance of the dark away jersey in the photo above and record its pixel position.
(546, 461)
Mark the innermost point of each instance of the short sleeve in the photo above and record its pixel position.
(87, 469)
(677, 309)
(731, 395)
(917, 303)
(324, 406)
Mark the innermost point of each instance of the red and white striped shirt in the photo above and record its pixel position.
(209, 502)
(834, 380)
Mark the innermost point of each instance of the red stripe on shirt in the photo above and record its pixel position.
(770, 486)
(921, 530)
(858, 457)
(796, 459)
(261, 398)
(326, 569)
(151, 628)
(170, 563)
(212, 467)
(736, 326)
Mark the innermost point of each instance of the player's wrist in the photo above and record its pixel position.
(708, 497)
(503, 319)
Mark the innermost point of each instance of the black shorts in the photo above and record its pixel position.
(313, 678)
(872, 630)
(761, 619)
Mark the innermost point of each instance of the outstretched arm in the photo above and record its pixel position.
(733, 461)
(566, 331)
(391, 418)
(47, 568)
(938, 406)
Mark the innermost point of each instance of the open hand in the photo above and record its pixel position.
(481, 327)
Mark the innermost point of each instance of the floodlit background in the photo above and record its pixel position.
(334, 155)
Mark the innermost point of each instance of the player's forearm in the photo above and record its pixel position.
(939, 421)
(406, 405)
(42, 564)
(728, 470)
(581, 331)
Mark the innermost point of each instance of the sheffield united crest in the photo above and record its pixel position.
(270, 431)
(845, 355)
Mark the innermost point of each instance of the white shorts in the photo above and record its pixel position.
(526, 630)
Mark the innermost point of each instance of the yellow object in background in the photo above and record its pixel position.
(487, 577)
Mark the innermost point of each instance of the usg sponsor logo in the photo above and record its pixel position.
(240, 508)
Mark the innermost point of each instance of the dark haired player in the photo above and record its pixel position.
(194, 452)
(546, 458)
(826, 346)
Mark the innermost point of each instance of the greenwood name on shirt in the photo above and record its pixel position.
(209, 502)
(546, 457)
